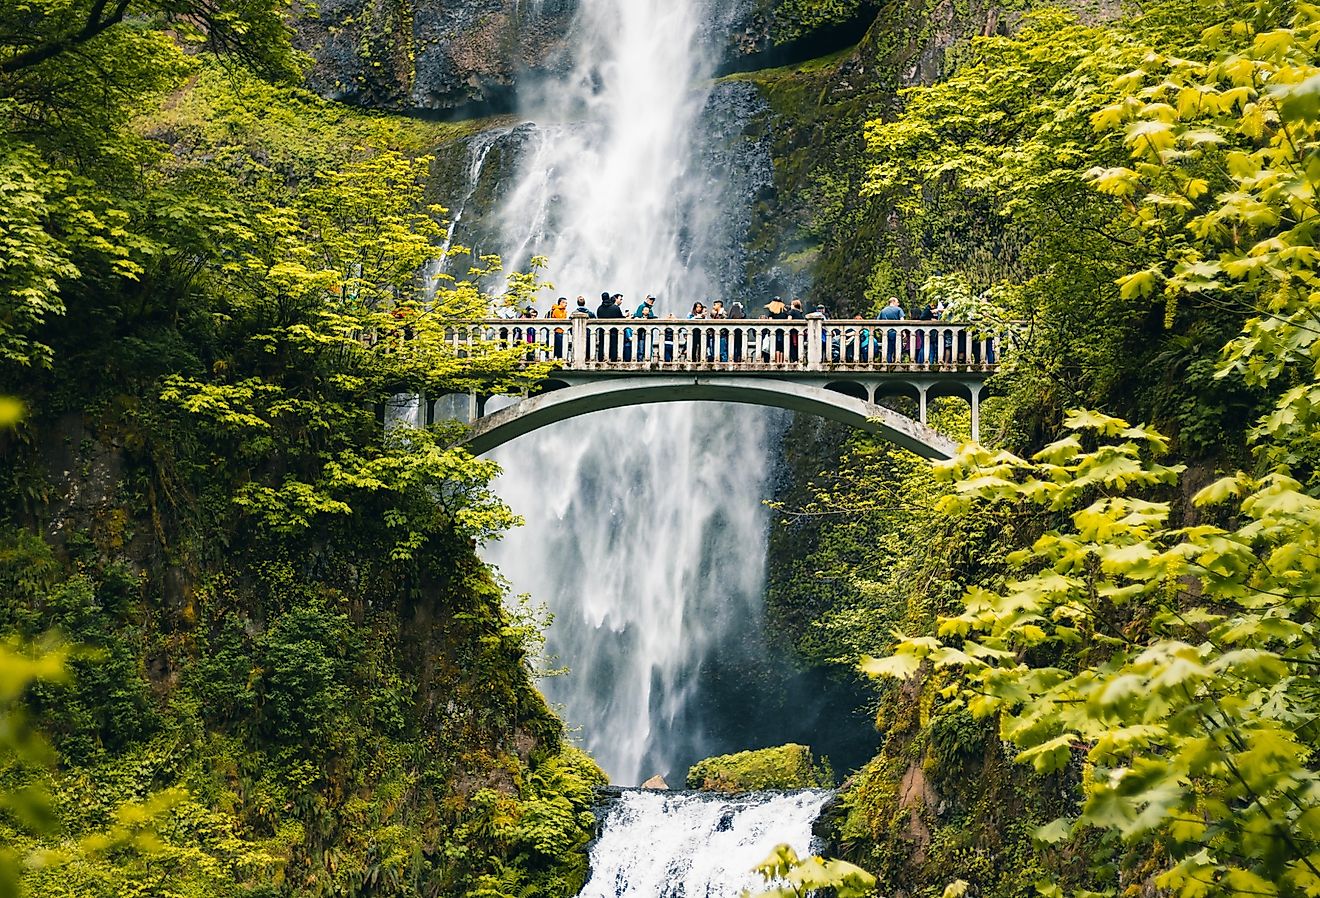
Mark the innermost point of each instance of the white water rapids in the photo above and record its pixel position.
(656, 845)
(645, 530)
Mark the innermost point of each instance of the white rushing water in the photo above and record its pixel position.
(658, 845)
(645, 531)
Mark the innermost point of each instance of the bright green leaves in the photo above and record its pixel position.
(314, 267)
(1116, 181)
(1051, 755)
(1228, 149)
(793, 877)
(1184, 656)
(37, 263)
(900, 665)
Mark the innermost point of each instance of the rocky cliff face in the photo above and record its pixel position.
(436, 55)
(461, 57)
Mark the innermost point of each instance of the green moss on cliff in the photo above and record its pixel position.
(785, 767)
(792, 19)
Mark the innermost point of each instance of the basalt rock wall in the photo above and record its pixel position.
(432, 55)
(458, 58)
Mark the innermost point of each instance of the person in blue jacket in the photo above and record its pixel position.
(646, 311)
(892, 312)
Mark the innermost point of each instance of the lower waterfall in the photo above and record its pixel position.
(696, 845)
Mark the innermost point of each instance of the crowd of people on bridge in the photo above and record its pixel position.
(771, 345)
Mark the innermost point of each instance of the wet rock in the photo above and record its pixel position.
(470, 57)
(736, 158)
(656, 782)
(437, 55)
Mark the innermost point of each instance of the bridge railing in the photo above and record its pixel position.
(584, 344)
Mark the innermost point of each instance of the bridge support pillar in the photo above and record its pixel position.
(921, 402)
(976, 412)
(577, 348)
(474, 407)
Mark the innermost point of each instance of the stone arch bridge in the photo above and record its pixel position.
(834, 369)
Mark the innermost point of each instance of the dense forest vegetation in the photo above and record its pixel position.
(1105, 682)
(268, 659)
(250, 649)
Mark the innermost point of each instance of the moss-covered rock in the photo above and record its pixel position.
(786, 767)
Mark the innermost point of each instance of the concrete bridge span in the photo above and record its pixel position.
(839, 370)
(497, 428)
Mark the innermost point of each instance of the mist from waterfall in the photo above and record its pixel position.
(645, 531)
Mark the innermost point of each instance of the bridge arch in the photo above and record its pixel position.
(565, 402)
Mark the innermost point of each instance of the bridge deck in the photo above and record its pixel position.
(836, 369)
(782, 348)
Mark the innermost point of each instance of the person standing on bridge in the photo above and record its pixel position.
(718, 313)
(559, 312)
(892, 312)
(693, 344)
(778, 312)
(737, 313)
(582, 308)
(645, 311)
(627, 331)
(925, 336)
(795, 313)
(608, 310)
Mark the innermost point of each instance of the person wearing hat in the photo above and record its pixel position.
(779, 312)
(645, 311)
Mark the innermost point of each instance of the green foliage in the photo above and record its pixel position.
(304, 658)
(795, 18)
(11, 411)
(783, 767)
(37, 39)
(294, 675)
(1225, 148)
(794, 877)
(106, 704)
(1173, 658)
(991, 172)
(30, 281)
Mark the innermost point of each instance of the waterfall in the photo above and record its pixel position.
(645, 531)
(479, 148)
(681, 845)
